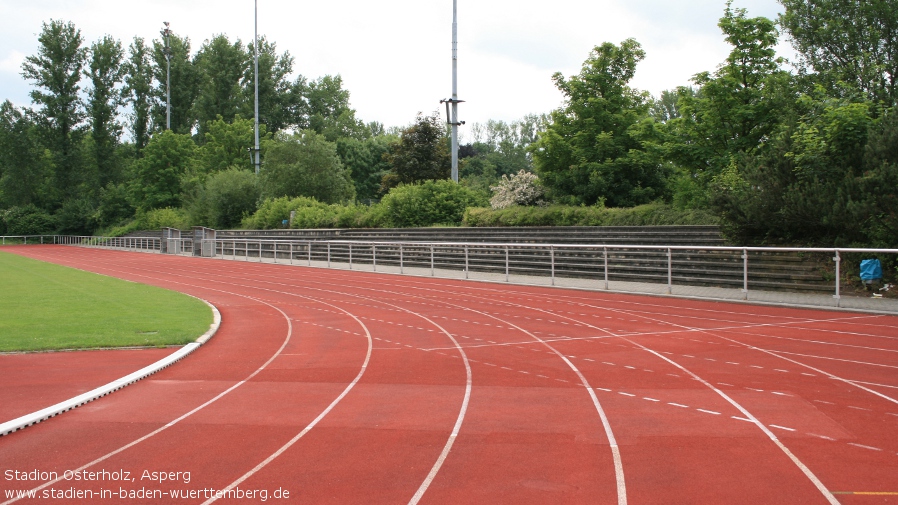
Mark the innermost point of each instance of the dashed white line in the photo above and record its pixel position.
(781, 427)
(708, 412)
(865, 446)
(678, 405)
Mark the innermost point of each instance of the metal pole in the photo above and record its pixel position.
(552, 254)
(291, 253)
(466, 262)
(310, 253)
(275, 249)
(431, 261)
(258, 163)
(506, 264)
(745, 274)
(837, 296)
(328, 255)
(606, 267)
(374, 255)
(401, 266)
(454, 118)
(350, 256)
(669, 271)
(167, 34)
(260, 251)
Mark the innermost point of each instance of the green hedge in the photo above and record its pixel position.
(653, 214)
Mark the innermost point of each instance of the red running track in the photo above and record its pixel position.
(348, 387)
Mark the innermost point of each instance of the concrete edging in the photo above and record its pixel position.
(64, 406)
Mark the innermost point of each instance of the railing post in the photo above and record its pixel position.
(291, 253)
(328, 255)
(605, 249)
(838, 296)
(669, 271)
(260, 251)
(431, 260)
(552, 256)
(506, 264)
(310, 253)
(466, 262)
(374, 256)
(274, 247)
(745, 274)
(401, 261)
(350, 255)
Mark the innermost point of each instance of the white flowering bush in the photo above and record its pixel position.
(522, 188)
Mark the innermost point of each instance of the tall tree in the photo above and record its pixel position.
(737, 107)
(56, 72)
(597, 147)
(138, 92)
(104, 99)
(328, 109)
(305, 164)
(280, 100)
(849, 42)
(221, 65)
(25, 167)
(184, 85)
(158, 174)
(422, 154)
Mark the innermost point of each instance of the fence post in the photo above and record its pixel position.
(552, 256)
(838, 296)
(374, 256)
(274, 247)
(350, 255)
(401, 262)
(291, 253)
(506, 264)
(431, 260)
(466, 262)
(606, 267)
(310, 253)
(669, 271)
(260, 251)
(328, 255)
(745, 274)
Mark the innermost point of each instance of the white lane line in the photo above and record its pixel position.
(782, 427)
(778, 393)
(603, 389)
(650, 399)
(708, 412)
(824, 437)
(865, 446)
(742, 419)
(678, 405)
(821, 401)
(625, 394)
(858, 408)
(725, 384)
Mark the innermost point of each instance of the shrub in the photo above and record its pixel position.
(225, 199)
(163, 218)
(522, 188)
(429, 203)
(653, 214)
(27, 220)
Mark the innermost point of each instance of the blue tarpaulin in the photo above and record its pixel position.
(871, 270)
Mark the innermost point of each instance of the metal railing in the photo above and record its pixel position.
(704, 271)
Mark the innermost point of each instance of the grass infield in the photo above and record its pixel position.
(45, 306)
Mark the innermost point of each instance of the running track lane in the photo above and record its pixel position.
(684, 446)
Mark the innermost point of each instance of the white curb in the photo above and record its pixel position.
(44, 414)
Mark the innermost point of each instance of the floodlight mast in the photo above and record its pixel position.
(257, 161)
(166, 33)
(452, 117)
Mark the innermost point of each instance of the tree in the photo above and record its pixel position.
(734, 111)
(848, 42)
(280, 101)
(157, 175)
(26, 168)
(56, 71)
(221, 66)
(328, 109)
(227, 144)
(227, 197)
(365, 161)
(185, 83)
(598, 146)
(422, 154)
(305, 164)
(138, 92)
(104, 99)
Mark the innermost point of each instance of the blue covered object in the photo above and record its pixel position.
(871, 270)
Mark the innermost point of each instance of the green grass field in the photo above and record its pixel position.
(45, 306)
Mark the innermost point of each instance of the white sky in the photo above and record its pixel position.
(395, 55)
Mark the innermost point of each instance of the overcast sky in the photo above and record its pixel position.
(395, 55)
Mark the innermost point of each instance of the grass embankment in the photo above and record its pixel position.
(45, 306)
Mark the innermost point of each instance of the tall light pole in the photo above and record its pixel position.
(257, 161)
(166, 33)
(454, 101)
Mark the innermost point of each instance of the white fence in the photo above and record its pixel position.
(762, 274)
